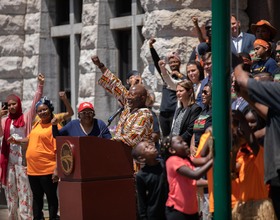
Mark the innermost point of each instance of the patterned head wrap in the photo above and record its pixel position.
(44, 100)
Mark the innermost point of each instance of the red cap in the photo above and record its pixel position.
(85, 105)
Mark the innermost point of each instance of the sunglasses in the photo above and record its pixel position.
(278, 51)
(205, 92)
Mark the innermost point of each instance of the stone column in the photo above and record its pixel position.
(97, 39)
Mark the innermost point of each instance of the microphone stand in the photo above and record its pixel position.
(102, 131)
(110, 121)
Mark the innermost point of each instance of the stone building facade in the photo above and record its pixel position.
(58, 39)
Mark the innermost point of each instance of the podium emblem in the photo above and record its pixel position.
(66, 158)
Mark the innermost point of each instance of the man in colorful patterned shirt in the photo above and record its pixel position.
(136, 120)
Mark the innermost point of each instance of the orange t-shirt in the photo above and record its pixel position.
(234, 183)
(202, 141)
(41, 150)
(251, 176)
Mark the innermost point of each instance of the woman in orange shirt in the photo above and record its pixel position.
(41, 161)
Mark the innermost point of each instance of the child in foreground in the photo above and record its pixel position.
(182, 201)
(151, 182)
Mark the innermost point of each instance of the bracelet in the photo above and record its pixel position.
(101, 65)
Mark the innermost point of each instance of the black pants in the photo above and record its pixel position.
(274, 194)
(41, 185)
(173, 214)
(165, 121)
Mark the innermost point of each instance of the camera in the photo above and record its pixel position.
(5, 105)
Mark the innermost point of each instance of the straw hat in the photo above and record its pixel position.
(272, 29)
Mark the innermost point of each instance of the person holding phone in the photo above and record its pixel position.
(13, 175)
(5, 105)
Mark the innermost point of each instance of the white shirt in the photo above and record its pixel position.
(237, 41)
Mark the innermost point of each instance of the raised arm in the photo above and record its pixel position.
(154, 54)
(167, 78)
(59, 131)
(198, 30)
(195, 174)
(69, 110)
(29, 116)
(110, 82)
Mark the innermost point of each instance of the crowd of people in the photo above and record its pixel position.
(185, 120)
(174, 149)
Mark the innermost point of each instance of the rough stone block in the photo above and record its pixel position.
(10, 67)
(87, 84)
(34, 6)
(30, 66)
(165, 23)
(32, 23)
(12, 25)
(10, 86)
(31, 44)
(12, 45)
(149, 5)
(14, 7)
(85, 64)
(89, 37)
(30, 85)
(90, 14)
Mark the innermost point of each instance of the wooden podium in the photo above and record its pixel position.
(96, 179)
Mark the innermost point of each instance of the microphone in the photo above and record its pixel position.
(111, 118)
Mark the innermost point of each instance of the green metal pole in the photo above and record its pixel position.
(221, 107)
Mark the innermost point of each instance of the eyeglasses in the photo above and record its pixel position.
(205, 92)
(87, 113)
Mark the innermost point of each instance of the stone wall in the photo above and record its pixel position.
(22, 49)
(27, 48)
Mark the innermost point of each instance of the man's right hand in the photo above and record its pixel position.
(95, 60)
(152, 41)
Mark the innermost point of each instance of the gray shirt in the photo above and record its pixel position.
(268, 93)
